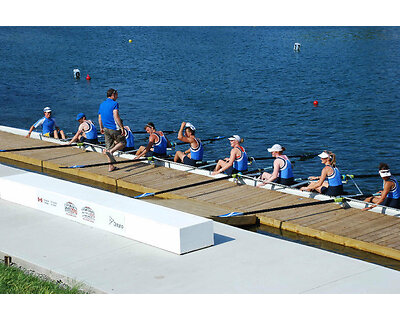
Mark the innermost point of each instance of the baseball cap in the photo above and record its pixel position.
(323, 155)
(47, 109)
(80, 116)
(235, 137)
(189, 125)
(275, 147)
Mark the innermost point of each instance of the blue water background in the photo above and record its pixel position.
(225, 80)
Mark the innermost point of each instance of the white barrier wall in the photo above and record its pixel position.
(155, 225)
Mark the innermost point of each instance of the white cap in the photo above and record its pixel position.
(235, 137)
(275, 147)
(385, 173)
(323, 155)
(47, 109)
(189, 125)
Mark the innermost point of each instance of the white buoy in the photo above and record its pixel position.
(297, 47)
(77, 73)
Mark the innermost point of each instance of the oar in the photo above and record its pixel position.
(143, 132)
(210, 140)
(105, 163)
(232, 214)
(43, 147)
(235, 175)
(302, 157)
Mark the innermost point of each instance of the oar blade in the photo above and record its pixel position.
(231, 214)
(143, 195)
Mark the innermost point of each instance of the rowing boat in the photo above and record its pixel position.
(348, 201)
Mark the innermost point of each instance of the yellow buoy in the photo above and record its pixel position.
(130, 40)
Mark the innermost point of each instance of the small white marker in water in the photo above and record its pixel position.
(297, 47)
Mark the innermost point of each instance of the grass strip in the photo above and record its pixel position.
(15, 281)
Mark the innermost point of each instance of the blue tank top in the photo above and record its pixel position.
(160, 146)
(92, 132)
(197, 154)
(130, 141)
(240, 164)
(335, 178)
(48, 125)
(395, 192)
(286, 171)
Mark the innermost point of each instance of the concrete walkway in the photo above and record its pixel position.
(239, 262)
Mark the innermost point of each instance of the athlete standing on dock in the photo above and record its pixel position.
(390, 195)
(111, 126)
(332, 187)
(87, 131)
(195, 152)
(283, 171)
(49, 125)
(237, 162)
(157, 145)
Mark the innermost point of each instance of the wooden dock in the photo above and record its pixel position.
(368, 231)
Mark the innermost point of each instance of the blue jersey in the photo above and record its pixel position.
(240, 163)
(91, 133)
(48, 125)
(130, 141)
(395, 192)
(160, 146)
(107, 116)
(197, 154)
(286, 171)
(335, 178)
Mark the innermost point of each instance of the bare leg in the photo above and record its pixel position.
(55, 134)
(219, 165)
(179, 155)
(140, 150)
(62, 134)
(265, 176)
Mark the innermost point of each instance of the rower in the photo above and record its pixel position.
(283, 170)
(130, 141)
(49, 126)
(195, 152)
(237, 162)
(87, 131)
(157, 145)
(332, 187)
(390, 195)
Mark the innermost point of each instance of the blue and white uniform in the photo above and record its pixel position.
(240, 163)
(160, 147)
(335, 183)
(197, 154)
(393, 196)
(91, 133)
(130, 141)
(48, 125)
(285, 175)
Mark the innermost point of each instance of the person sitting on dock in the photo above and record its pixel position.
(283, 170)
(49, 126)
(130, 141)
(195, 152)
(237, 162)
(87, 131)
(111, 126)
(157, 145)
(390, 195)
(334, 185)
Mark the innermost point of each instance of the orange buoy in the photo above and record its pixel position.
(88, 77)
(315, 103)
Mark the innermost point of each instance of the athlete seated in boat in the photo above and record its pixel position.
(157, 145)
(49, 126)
(130, 141)
(283, 170)
(332, 187)
(87, 131)
(390, 195)
(195, 152)
(237, 162)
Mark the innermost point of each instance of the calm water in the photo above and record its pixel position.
(225, 80)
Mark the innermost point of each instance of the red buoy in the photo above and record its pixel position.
(88, 77)
(315, 103)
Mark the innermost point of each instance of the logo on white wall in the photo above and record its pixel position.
(115, 224)
(70, 209)
(88, 214)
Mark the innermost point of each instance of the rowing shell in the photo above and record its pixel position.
(243, 179)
